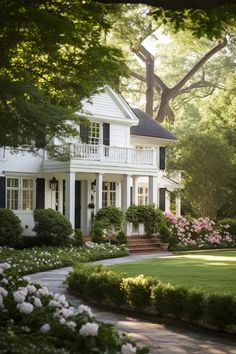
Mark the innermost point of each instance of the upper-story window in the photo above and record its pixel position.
(20, 193)
(94, 136)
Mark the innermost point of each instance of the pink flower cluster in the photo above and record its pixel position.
(198, 232)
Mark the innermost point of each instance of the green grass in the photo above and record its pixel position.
(211, 271)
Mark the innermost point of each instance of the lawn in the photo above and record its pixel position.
(211, 271)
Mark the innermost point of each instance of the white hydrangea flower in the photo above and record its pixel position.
(19, 296)
(31, 289)
(71, 325)
(5, 266)
(43, 291)
(128, 348)
(85, 309)
(3, 291)
(27, 278)
(67, 312)
(53, 303)
(37, 302)
(25, 307)
(89, 329)
(5, 281)
(62, 320)
(45, 328)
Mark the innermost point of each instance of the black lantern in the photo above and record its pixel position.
(53, 183)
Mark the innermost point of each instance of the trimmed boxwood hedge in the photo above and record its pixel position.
(151, 296)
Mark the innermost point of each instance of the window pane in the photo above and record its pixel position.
(27, 202)
(12, 199)
(13, 182)
(28, 183)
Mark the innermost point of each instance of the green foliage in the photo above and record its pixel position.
(10, 228)
(232, 226)
(41, 259)
(221, 311)
(121, 238)
(208, 172)
(52, 227)
(53, 56)
(149, 294)
(107, 222)
(78, 238)
(152, 217)
(137, 291)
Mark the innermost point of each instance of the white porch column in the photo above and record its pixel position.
(70, 197)
(135, 190)
(152, 190)
(167, 201)
(178, 205)
(99, 179)
(126, 201)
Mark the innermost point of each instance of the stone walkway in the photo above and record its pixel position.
(160, 338)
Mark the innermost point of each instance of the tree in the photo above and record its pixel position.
(210, 18)
(53, 55)
(209, 172)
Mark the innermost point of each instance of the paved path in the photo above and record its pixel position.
(160, 338)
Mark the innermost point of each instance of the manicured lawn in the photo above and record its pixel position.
(211, 271)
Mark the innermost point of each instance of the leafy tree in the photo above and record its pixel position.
(53, 55)
(209, 172)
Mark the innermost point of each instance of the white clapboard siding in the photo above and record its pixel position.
(119, 135)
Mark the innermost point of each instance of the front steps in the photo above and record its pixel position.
(143, 244)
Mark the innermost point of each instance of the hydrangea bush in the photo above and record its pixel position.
(34, 320)
(194, 233)
(39, 259)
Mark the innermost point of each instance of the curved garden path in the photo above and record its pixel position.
(160, 338)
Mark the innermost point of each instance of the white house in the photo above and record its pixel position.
(119, 158)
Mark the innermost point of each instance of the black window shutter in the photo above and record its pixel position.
(162, 158)
(84, 132)
(2, 192)
(162, 199)
(106, 134)
(40, 193)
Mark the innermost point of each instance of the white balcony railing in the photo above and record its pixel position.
(103, 153)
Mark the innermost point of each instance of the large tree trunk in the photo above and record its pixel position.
(167, 94)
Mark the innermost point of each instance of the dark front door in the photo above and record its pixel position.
(77, 204)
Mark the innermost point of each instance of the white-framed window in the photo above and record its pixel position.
(19, 193)
(108, 194)
(142, 195)
(94, 135)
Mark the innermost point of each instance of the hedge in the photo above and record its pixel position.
(149, 295)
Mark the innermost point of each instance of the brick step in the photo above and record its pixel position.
(140, 251)
(141, 241)
(144, 246)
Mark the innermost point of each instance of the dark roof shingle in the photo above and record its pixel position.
(149, 127)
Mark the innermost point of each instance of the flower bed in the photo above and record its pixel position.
(150, 295)
(194, 233)
(34, 320)
(39, 259)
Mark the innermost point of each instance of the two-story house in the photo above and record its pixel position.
(118, 159)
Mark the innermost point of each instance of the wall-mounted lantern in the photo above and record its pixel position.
(53, 183)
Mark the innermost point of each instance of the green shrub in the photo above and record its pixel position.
(78, 239)
(121, 238)
(52, 227)
(110, 218)
(10, 228)
(194, 304)
(152, 217)
(137, 291)
(232, 226)
(97, 232)
(221, 310)
(169, 299)
(28, 242)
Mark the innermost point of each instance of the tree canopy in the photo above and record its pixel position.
(53, 55)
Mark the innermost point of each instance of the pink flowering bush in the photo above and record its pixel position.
(34, 320)
(194, 233)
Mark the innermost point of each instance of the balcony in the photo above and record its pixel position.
(103, 153)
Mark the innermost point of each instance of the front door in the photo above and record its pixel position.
(77, 204)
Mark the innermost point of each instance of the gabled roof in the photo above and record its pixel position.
(109, 105)
(149, 127)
